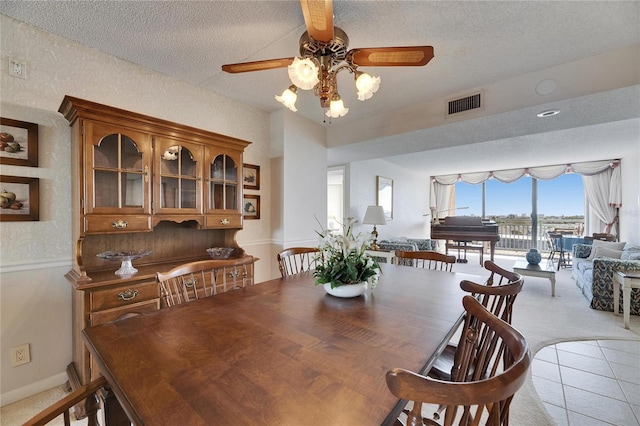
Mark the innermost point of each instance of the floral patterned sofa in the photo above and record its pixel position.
(594, 274)
(406, 244)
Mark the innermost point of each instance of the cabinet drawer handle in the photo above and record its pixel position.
(225, 221)
(190, 282)
(234, 274)
(119, 224)
(128, 294)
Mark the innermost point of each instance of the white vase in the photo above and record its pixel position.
(349, 290)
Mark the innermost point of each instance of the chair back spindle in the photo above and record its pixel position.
(296, 260)
(195, 280)
(492, 363)
(498, 299)
(427, 259)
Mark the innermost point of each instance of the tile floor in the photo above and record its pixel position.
(590, 383)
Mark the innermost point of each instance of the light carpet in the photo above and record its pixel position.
(542, 319)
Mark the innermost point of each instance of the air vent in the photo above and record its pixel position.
(464, 104)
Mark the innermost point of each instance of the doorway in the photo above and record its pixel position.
(335, 198)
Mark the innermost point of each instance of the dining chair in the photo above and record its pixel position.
(551, 246)
(295, 260)
(555, 239)
(492, 363)
(86, 393)
(427, 259)
(498, 299)
(195, 280)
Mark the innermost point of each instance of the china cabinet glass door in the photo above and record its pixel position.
(118, 170)
(224, 191)
(179, 177)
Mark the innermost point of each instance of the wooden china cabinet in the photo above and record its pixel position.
(142, 183)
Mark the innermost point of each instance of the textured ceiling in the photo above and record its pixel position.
(476, 44)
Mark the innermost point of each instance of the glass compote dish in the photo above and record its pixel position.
(126, 268)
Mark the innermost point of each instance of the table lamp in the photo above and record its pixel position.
(374, 216)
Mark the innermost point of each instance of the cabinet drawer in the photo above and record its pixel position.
(123, 296)
(231, 277)
(102, 224)
(108, 315)
(223, 220)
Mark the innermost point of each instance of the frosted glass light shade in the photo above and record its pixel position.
(303, 73)
(288, 98)
(336, 108)
(366, 85)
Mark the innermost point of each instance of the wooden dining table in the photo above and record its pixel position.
(281, 352)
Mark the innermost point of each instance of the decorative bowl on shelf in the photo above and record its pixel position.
(126, 268)
(220, 252)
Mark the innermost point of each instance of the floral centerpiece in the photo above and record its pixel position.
(345, 261)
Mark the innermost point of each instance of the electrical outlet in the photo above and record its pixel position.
(20, 355)
(18, 68)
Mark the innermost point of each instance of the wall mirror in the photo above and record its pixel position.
(384, 196)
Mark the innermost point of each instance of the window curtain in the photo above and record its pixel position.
(440, 196)
(604, 195)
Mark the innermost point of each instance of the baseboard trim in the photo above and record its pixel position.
(32, 389)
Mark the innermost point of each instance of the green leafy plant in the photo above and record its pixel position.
(345, 261)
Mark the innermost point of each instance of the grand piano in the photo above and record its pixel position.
(466, 229)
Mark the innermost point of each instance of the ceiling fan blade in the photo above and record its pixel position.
(392, 56)
(318, 17)
(257, 65)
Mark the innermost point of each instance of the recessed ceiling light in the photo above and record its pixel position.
(549, 113)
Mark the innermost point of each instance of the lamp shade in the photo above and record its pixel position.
(374, 216)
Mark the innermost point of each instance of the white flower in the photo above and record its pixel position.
(344, 258)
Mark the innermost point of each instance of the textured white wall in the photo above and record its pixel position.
(410, 198)
(630, 210)
(299, 172)
(305, 180)
(35, 303)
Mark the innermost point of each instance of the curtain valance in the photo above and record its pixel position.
(542, 172)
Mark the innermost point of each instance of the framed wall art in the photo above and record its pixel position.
(384, 195)
(251, 206)
(251, 176)
(19, 198)
(18, 143)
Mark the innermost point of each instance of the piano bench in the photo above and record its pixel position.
(462, 245)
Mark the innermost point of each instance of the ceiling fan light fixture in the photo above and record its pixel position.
(289, 97)
(336, 107)
(366, 85)
(303, 73)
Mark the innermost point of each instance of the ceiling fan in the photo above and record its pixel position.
(324, 53)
